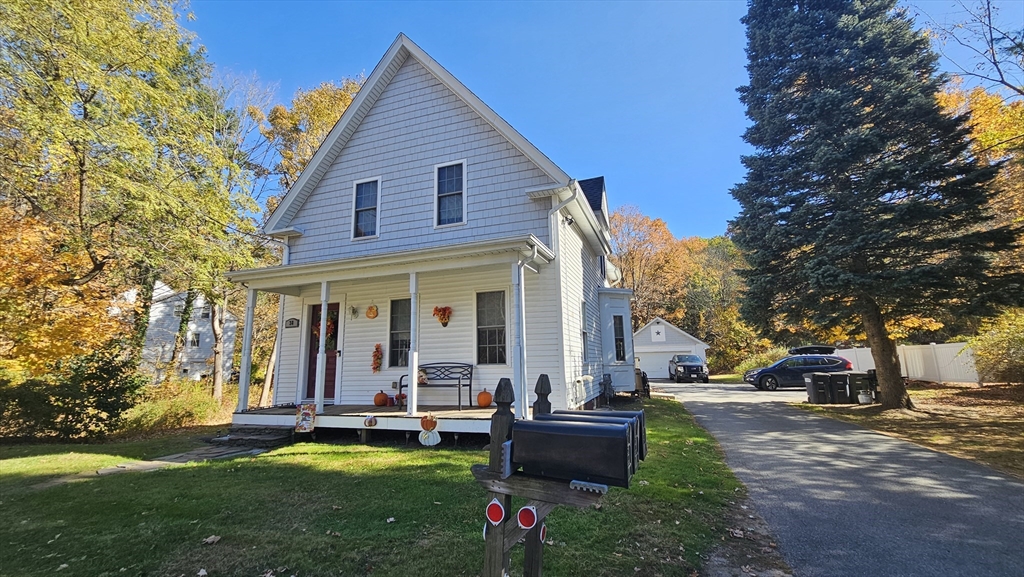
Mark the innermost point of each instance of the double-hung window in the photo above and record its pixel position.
(583, 324)
(193, 339)
(401, 331)
(365, 208)
(450, 193)
(490, 328)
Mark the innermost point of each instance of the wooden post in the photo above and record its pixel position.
(534, 558)
(496, 558)
(542, 406)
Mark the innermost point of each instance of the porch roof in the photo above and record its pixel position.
(289, 279)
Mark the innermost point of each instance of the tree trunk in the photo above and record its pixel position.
(268, 378)
(146, 278)
(887, 361)
(182, 334)
(217, 311)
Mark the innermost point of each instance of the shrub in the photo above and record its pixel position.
(999, 348)
(762, 359)
(82, 396)
(178, 403)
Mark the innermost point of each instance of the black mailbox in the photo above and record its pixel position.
(598, 417)
(591, 452)
(639, 415)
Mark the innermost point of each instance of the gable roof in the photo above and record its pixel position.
(671, 326)
(593, 189)
(401, 49)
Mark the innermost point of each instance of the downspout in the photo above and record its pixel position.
(575, 192)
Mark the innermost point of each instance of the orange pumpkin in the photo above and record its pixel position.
(483, 398)
(380, 399)
(428, 422)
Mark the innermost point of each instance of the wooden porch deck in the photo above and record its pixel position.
(449, 417)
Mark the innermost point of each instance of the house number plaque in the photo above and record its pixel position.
(291, 323)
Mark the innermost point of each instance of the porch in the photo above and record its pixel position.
(449, 418)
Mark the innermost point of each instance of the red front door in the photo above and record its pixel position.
(331, 348)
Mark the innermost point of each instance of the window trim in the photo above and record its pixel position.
(465, 197)
(583, 330)
(387, 353)
(616, 339)
(193, 339)
(352, 229)
(508, 318)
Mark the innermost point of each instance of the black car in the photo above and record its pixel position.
(789, 372)
(687, 368)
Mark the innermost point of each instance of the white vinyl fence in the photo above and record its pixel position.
(945, 363)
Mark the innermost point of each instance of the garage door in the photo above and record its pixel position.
(655, 363)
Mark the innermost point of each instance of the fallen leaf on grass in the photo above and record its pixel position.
(62, 566)
(736, 533)
(642, 483)
(202, 573)
(332, 534)
(437, 502)
(211, 539)
(391, 519)
(335, 507)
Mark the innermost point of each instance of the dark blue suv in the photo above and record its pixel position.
(789, 372)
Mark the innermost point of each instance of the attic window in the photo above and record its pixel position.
(365, 213)
(449, 193)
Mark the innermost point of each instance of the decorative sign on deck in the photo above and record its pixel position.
(556, 470)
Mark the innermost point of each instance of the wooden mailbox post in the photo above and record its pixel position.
(542, 494)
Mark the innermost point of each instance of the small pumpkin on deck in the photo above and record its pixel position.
(380, 399)
(483, 398)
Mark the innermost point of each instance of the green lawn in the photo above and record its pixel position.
(727, 378)
(22, 466)
(323, 509)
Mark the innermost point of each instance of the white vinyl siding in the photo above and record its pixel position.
(416, 124)
(580, 283)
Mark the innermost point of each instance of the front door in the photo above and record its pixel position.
(617, 338)
(331, 347)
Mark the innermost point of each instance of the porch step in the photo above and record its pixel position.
(258, 437)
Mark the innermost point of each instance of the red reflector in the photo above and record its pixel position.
(495, 512)
(543, 532)
(527, 517)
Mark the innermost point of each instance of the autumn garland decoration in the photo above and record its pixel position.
(378, 357)
(443, 315)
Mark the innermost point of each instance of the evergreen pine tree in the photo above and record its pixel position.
(861, 206)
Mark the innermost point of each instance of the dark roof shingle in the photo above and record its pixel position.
(593, 189)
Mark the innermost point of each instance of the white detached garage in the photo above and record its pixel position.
(656, 342)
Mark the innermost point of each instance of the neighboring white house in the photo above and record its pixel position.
(656, 342)
(196, 357)
(422, 197)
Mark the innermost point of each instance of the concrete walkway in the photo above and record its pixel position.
(194, 456)
(844, 501)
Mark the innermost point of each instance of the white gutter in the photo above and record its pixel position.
(575, 192)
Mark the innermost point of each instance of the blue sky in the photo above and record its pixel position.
(643, 93)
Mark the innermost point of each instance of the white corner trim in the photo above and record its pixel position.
(352, 230)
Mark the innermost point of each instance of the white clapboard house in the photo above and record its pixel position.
(422, 197)
(195, 357)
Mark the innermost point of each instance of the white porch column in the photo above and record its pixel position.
(414, 344)
(244, 371)
(321, 357)
(522, 340)
(518, 379)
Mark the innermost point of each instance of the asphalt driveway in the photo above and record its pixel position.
(845, 501)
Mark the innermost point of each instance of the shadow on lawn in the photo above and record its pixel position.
(350, 509)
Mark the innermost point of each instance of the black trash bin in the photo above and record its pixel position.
(840, 386)
(817, 388)
(859, 381)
